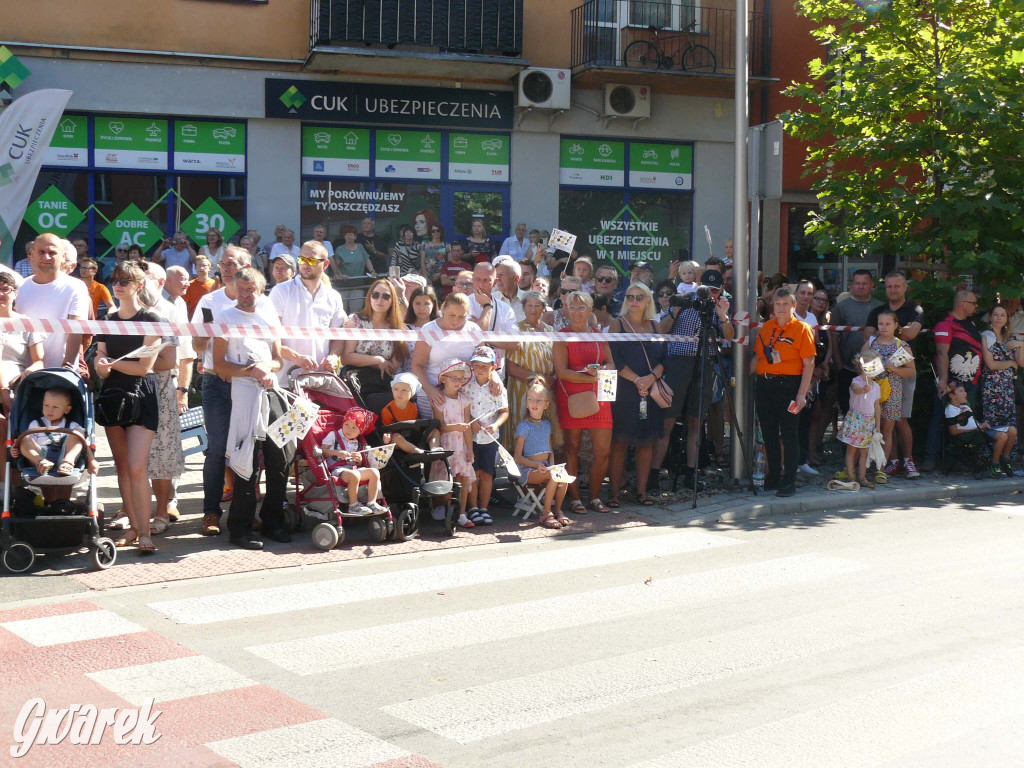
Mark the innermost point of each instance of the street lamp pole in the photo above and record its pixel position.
(741, 251)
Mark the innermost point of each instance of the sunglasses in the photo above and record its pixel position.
(309, 261)
(435, 229)
(665, 295)
(635, 297)
(605, 279)
(123, 282)
(380, 296)
(563, 291)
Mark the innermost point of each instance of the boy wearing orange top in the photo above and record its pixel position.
(403, 408)
(102, 301)
(201, 285)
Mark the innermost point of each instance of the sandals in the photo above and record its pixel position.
(158, 526)
(548, 521)
(228, 493)
(865, 483)
(577, 507)
(645, 500)
(560, 516)
(120, 522)
(146, 546)
(599, 506)
(480, 516)
(127, 540)
(65, 468)
(613, 502)
(44, 466)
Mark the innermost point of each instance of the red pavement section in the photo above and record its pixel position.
(56, 674)
(215, 557)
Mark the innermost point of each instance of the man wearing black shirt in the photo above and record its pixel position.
(375, 245)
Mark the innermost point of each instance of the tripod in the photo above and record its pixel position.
(708, 334)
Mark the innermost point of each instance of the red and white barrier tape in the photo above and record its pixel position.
(213, 330)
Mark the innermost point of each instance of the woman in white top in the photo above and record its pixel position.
(214, 247)
(427, 357)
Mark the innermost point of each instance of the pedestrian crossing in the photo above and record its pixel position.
(648, 649)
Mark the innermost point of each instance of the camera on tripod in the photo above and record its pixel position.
(702, 301)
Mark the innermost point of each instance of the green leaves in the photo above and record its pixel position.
(912, 122)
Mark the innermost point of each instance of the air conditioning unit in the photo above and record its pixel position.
(543, 88)
(627, 100)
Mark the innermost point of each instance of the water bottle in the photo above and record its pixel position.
(643, 409)
(759, 462)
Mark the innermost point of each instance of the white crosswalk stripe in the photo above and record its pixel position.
(170, 680)
(71, 627)
(489, 709)
(343, 591)
(305, 656)
(877, 727)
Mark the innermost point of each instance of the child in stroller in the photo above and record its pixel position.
(46, 450)
(346, 451)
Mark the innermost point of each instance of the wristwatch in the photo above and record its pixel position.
(182, 389)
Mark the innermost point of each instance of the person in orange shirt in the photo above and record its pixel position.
(102, 301)
(201, 285)
(784, 352)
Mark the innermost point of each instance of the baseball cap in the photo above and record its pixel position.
(643, 265)
(288, 259)
(712, 278)
(484, 355)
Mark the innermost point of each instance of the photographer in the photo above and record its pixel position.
(784, 352)
(687, 316)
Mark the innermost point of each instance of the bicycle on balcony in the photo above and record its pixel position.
(650, 54)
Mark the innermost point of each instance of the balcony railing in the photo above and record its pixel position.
(687, 38)
(485, 27)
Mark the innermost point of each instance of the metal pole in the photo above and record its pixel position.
(742, 301)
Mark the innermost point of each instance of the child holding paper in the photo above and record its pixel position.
(489, 412)
(534, 455)
(899, 365)
(455, 434)
(347, 448)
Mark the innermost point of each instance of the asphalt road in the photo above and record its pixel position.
(887, 637)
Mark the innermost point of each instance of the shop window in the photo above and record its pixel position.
(231, 188)
(101, 189)
(122, 190)
(196, 190)
(469, 205)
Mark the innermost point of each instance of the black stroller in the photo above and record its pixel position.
(64, 524)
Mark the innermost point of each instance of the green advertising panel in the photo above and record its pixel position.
(69, 147)
(132, 226)
(53, 212)
(130, 142)
(661, 166)
(332, 151)
(201, 145)
(209, 215)
(408, 154)
(478, 156)
(592, 163)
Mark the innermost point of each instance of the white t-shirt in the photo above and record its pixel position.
(296, 306)
(279, 248)
(481, 402)
(809, 318)
(684, 288)
(247, 350)
(62, 298)
(953, 411)
(217, 302)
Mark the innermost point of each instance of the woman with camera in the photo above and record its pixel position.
(784, 352)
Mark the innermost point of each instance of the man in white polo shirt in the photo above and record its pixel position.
(308, 301)
(50, 294)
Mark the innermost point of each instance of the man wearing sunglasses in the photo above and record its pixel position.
(606, 283)
(308, 301)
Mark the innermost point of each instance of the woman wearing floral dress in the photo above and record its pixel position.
(885, 344)
(533, 359)
(376, 361)
(1003, 357)
(435, 254)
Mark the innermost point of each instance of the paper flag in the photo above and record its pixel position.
(559, 475)
(148, 350)
(380, 456)
(561, 240)
(607, 386)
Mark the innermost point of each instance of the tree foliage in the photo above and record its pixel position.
(916, 148)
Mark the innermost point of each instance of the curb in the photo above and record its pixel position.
(747, 508)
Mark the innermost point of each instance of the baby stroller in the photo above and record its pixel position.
(406, 477)
(63, 524)
(318, 495)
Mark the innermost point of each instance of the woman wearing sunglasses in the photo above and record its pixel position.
(558, 318)
(435, 254)
(373, 361)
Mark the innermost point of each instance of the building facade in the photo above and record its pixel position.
(236, 115)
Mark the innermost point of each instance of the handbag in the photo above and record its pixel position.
(582, 405)
(116, 407)
(661, 391)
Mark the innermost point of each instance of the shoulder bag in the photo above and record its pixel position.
(116, 407)
(582, 405)
(661, 392)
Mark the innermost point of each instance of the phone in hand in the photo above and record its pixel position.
(395, 273)
(207, 315)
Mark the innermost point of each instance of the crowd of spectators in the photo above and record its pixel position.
(807, 379)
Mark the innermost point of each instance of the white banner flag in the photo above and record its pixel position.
(26, 128)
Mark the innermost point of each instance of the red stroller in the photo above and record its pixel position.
(320, 499)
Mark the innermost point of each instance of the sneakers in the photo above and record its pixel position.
(465, 522)
(247, 541)
(807, 469)
(911, 469)
(377, 509)
(211, 524)
(893, 468)
(995, 472)
(359, 509)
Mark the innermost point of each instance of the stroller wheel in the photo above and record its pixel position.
(407, 523)
(327, 536)
(18, 557)
(103, 554)
(450, 516)
(292, 518)
(378, 529)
